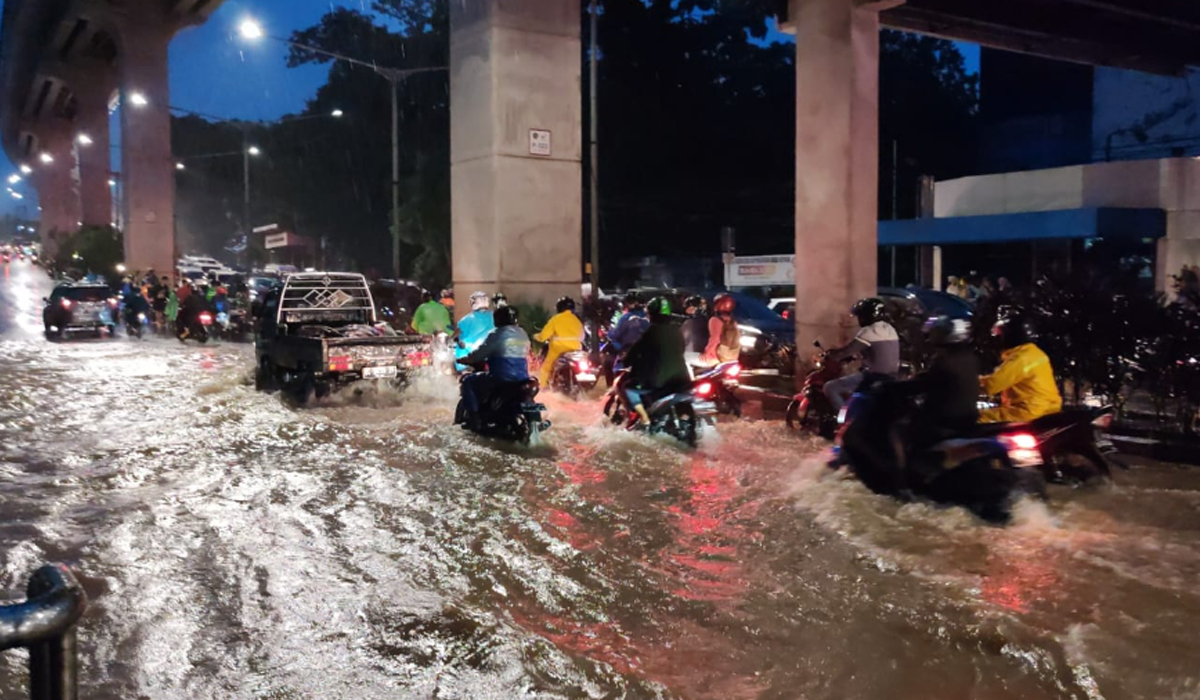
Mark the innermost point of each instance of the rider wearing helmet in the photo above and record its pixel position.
(446, 299)
(724, 338)
(695, 328)
(950, 385)
(475, 326)
(498, 300)
(630, 326)
(1024, 379)
(430, 317)
(563, 332)
(656, 363)
(506, 352)
(878, 345)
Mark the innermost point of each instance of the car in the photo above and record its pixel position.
(76, 307)
(905, 301)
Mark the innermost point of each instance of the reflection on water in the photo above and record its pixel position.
(365, 548)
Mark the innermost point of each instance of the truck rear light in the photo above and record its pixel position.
(339, 363)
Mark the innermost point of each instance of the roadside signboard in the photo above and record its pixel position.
(760, 271)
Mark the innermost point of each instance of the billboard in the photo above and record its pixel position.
(760, 271)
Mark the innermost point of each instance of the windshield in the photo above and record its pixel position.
(85, 293)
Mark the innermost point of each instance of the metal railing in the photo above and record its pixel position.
(45, 624)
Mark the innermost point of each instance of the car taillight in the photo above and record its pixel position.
(734, 372)
(705, 389)
(66, 303)
(339, 363)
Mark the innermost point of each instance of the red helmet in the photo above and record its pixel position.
(724, 305)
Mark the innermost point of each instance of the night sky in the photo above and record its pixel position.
(216, 72)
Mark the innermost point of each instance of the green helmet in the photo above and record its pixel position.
(659, 307)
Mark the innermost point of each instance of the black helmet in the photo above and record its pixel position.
(943, 330)
(426, 296)
(498, 300)
(1014, 327)
(695, 302)
(868, 311)
(565, 304)
(505, 316)
(659, 309)
(632, 300)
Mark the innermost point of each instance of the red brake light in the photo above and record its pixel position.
(66, 303)
(1023, 441)
(787, 314)
(205, 318)
(581, 366)
(734, 371)
(705, 389)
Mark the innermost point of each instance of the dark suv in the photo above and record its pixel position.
(79, 307)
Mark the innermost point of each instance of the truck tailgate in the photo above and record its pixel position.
(400, 351)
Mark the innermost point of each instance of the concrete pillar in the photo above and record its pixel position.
(95, 159)
(516, 195)
(147, 169)
(58, 194)
(837, 164)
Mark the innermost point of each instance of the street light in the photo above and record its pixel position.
(26, 169)
(336, 113)
(253, 150)
(252, 30)
(137, 99)
(112, 183)
(46, 158)
(84, 140)
(180, 166)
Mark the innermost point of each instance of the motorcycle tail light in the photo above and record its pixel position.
(705, 389)
(205, 318)
(1021, 441)
(734, 372)
(1022, 449)
(581, 366)
(1103, 422)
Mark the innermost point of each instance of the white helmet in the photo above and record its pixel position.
(479, 301)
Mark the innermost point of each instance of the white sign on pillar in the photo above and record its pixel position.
(539, 142)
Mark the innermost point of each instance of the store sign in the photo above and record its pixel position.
(761, 271)
(276, 240)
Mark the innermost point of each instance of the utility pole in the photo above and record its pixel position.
(594, 172)
(395, 179)
(246, 225)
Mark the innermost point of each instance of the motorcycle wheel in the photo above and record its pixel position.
(615, 411)
(521, 430)
(794, 420)
(264, 377)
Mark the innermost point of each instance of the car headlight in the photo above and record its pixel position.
(749, 341)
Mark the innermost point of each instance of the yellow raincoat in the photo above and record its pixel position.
(564, 332)
(1025, 380)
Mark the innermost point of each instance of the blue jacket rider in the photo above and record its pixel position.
(506, 352)
(474, 327)
(631, 325)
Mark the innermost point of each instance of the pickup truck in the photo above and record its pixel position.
(318, 332)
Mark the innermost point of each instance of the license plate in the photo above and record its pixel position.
(585, 377)
(379, 372)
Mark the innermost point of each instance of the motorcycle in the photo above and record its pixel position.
(510, 412)
(198, 329)
(135, 322)
(573, 374)
(677, 414)
(1069, 447)
(724, 379)
(974, 472)
(810, 409)
(231, 326)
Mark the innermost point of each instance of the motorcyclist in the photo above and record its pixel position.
(189, 309)
(876, 343)
(631, 325)
(563, 332)
(506, 352)
(695, 329)
(1025, 378)
(446, 299)
(475, 326)
(431, 317)
(724, 338)
(498, 300)
(656, 360)
(134, 304)
(950, 385)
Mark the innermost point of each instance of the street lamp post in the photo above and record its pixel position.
(250, 29)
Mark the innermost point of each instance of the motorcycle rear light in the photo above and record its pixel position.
(581, 366)
(1103, 422)
(1021, 441)
(205, 319)
(705, 389)
(734, 372)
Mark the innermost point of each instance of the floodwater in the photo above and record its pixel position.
(236, 547)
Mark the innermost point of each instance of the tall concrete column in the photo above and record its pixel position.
(147, 170)
(837, 165)
(515, 150)
(58, 194)
(93, 89)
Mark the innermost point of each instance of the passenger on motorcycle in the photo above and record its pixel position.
(695, 328)
(877, 343)
(506, 352)
(656, 361)
(724, 338)
(630, 326)
(563, 332)
(1024, 379)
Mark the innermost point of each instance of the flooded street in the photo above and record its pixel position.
(236, 547)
